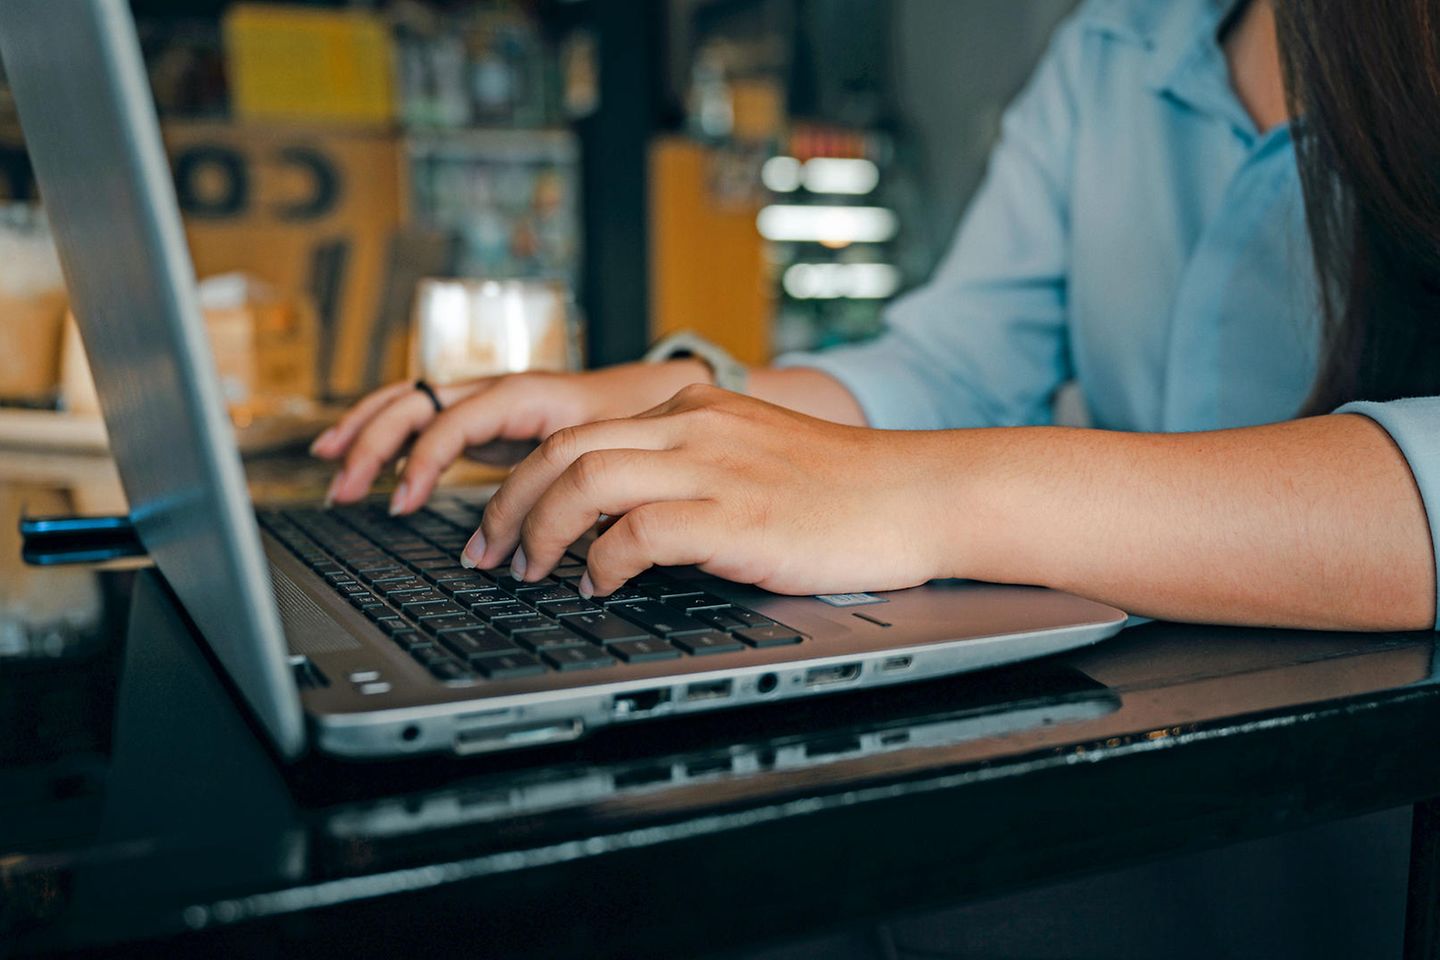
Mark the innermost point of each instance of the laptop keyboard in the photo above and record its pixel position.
(465, 626)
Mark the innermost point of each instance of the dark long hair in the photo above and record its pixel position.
(1364, 78)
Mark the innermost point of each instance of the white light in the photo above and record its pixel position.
(781, 174)
(833, 226)
(835, 281)
(834, 175)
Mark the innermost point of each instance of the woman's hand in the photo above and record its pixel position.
(744, 490)
(527, 406)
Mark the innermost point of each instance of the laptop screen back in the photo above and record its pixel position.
(90, 126)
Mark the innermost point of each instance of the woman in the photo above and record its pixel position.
(1141, 229)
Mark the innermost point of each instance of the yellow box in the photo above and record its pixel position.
(298, 63)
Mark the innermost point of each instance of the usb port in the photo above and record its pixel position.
(896, 664)
(714, 690)
(829, 676)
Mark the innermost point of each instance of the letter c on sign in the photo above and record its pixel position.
(324, 185)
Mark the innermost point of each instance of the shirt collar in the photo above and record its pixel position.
(1186, 61)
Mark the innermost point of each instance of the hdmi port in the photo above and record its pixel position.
(829, 676)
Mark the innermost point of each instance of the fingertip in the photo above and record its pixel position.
(321, 445)
(474, 551)
(586, 587)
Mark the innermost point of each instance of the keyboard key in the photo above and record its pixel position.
(454, 621)
(569, 572)
(501, 611)
(445, 608)
(394, 625)
(370, 606)
(549, 639)
(643, 651)
(567, 608)
(659, 618)
(750, 618)
(699, 601)
(468, 585)
(388, 575)
(509, 665)
(398, 588)
(584, 657)
(449, 671)
(625, 594)
(711, 642)
(670, 591)
(469, 598)
(776, 636)
(481, 642)
(427, 655)
(732, 618)
(414, 601)
(604, 627)
(510, 626)
(537, 593)
(409, 640)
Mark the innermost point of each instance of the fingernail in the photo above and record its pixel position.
(321, 440)
(474, 550)
(399, 498)
(586, 588)
(517, 564)
(335, 486)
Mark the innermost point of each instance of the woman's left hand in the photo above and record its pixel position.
(744, 490)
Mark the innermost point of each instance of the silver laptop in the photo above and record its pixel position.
(357, 634)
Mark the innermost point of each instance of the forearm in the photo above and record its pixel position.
(811, 392)
(1312, 524)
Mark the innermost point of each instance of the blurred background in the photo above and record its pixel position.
(766, 172)
(377, 190)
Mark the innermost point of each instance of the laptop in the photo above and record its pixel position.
(357, 634)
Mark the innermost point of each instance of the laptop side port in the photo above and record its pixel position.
(832, 675)
(640, 702)
(713, 690)
(488, 739)
(896, 664)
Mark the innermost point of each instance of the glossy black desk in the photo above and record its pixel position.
(137, 806)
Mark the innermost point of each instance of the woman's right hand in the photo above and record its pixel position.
(522, 406)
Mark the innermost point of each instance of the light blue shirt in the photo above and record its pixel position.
(1136, 233)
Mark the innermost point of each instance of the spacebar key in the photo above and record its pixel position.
(603, 627)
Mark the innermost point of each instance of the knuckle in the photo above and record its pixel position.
(588, 471)
(695, 393)
(642, 528)
(559, 448)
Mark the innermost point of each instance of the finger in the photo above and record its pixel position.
(654, 534)
(499, 531)
(333, 441)
(598, 483)
(336, 440)
(379, 442)
(497, 413)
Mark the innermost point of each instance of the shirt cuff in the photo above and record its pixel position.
(890, 392)
(1414, 425)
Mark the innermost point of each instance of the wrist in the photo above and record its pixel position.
(968, 498)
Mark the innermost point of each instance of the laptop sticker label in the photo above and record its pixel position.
(850, 599)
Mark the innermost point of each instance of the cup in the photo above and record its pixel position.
(463, 329)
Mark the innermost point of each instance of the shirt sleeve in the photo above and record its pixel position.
(984, 342)
(1414, 425)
